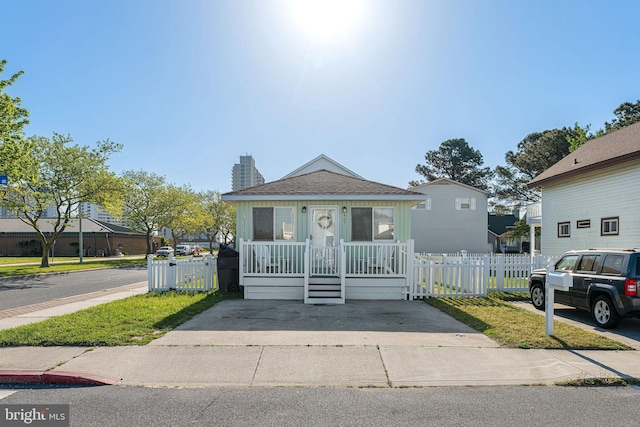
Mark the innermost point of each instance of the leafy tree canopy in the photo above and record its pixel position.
(47, 172)
(536, 153)
(455, 160)
(13, 117)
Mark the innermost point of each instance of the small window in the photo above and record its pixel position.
(566, 263)
(564, 229)
(465, 203)
(583, 223)
(613, 265)
(609, 226)
(589, 263)
(426, 205)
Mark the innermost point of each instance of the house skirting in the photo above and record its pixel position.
(357, 288)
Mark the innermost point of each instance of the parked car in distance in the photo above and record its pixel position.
(605, 283)
(164, 251)
(184, 250)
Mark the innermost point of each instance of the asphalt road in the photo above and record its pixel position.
(280, 406)
(26, 290)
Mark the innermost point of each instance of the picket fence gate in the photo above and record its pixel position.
(185, 274)
(469, 275)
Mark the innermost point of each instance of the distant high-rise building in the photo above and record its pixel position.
(245, 174)
(93, 211)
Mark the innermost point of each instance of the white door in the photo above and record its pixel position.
(323, 222)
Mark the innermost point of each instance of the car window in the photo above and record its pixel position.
(589, 263)
(638, 266)
(613, 264)
(567, 262)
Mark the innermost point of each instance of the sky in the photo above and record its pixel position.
(188, 86)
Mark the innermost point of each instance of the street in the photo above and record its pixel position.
(26, 290)
(463, 406)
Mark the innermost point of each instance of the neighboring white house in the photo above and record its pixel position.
(452, 217)
(591, 198)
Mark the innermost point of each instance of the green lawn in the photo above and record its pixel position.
(136, 320)
(25, 269)
(515, 327)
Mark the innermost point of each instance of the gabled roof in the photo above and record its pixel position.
(319, 163)
(15, 225)
(609, 150)
(322, 185)
(499, 224)
(445, 181)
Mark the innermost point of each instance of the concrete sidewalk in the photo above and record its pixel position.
(286, 343)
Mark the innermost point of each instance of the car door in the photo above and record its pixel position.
(566, 264)
(583, 276)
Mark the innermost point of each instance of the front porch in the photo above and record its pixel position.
(325, 275)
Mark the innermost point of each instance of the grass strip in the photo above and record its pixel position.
(514, 327)
(136, 320)
(600, 382)
(24, 270)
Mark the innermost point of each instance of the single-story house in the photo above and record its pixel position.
(323, 236)
(590, 198)
(451, 217)
(99, 238)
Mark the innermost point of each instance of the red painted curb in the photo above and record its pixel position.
(52, 378)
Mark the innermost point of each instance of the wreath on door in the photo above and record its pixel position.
(324, 221)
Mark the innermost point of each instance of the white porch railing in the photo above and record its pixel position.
(363, 259)
(192, 274)
(473, 275)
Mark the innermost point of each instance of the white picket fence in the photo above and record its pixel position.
(188, 274)
(465, 274)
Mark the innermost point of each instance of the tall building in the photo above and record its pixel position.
(93, 211)
(245, 174)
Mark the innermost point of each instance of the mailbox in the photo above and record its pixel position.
(559, 281)
(555, 281)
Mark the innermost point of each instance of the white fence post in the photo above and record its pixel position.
(150, 272)
(500, 265)
(409, 268)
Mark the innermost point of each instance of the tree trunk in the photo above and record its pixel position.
(148, 242)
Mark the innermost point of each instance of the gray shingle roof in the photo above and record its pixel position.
(15, 225)
(323, 185)
(608, 150)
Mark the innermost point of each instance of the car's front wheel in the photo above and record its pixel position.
(604, 313)
(537, 296)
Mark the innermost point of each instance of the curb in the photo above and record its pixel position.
(53, 378)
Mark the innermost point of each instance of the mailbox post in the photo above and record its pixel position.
(555, 281)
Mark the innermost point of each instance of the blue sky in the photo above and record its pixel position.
(187, 86)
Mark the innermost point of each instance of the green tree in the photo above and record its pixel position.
(216, 216)
(46, 173)
(182, 211)
(13, 118)
(147, 203)
(626, 114)
(456, 160)
(536, 153)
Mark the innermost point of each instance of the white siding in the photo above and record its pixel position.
(613, 192)
(447, 228)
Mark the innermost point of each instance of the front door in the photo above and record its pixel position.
(323, 222)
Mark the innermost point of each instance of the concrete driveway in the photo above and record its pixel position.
(282, 323)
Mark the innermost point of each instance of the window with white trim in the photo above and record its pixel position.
(274, 223)
(423, 206)
(465, 203)
(609, 226)
(372, 224)
(564, 229)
